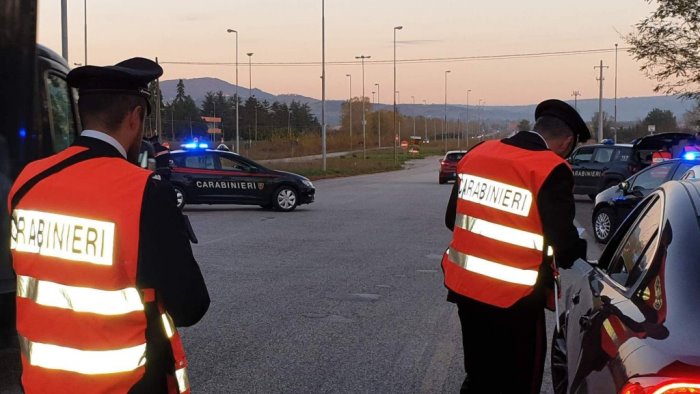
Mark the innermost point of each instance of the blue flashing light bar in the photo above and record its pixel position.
(691, 155)
(203, 146)
(195, 145)
(22, 133)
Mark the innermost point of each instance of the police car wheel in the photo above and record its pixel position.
(285, 199)
(559, 362)
(604, 224)
(179, 197)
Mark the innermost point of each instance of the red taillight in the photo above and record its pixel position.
(443, 162)
(657, 385)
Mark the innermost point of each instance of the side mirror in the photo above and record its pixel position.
(624, 186)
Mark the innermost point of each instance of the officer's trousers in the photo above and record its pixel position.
(504, 349)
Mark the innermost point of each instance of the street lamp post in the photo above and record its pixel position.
(238, 146)
(364, 122)
(467, 139)
(413, 100)
(379, 119)
(85, 18)
(350, 103)
(425, 118)
(323, 83)
(250, 93)
(445, 124)
(396, 136)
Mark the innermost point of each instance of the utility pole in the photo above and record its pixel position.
(364, 122)
(413, 100)
(425, 118)
(576, 93)
(350, 104)
(600, 102)
(323, 82)
(467, 139)
(396, 136)
(85, 17)
(64, 29)
(159, 121)
(238, 147)
(379, 120)
(615, 116)
(250, 92)
(444, 126)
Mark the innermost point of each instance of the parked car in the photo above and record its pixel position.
(643, 149)
(629, 324)
(448, 165)
(597, 167)
(614, 204)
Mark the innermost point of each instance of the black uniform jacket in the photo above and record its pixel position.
(557, 211)
(165, 264)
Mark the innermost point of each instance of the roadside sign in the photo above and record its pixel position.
(651, 128)
(404, 144)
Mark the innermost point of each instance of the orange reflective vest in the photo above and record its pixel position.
(659, 156)
(498, 245)
(75, 246)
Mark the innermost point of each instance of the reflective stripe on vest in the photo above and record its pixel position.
(492, 269)
(79, 299)
(183, 381)
(88, 362)
(501, 233)
(63, 237)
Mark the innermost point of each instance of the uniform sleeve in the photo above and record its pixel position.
(557, 212)
(451, 212)
(166, 263)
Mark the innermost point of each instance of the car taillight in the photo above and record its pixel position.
(658, 385)
(443, 162)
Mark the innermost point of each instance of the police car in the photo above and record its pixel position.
(205, 176)
(597, 167)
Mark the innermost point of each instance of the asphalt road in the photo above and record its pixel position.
(341, 296)
(344, 295)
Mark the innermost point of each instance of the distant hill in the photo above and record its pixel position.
(629, 109)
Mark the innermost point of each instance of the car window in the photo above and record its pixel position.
(622, 154)
(603, 155)
(60, 112)
(682, 169)
(205, 161)
(635, 253)
(652, 177)
(454, 156)
(230, 163)
(583, 154)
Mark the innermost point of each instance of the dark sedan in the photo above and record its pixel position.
(204, 176)
(630, 323)
(614, 204)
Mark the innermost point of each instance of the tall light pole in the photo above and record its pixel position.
(364, 122)
(238, 146)
(250, 92)
(323, 83)
(478, 118)
(425, 118)
(445, 124)
(85, 18)
(467, 139)
(396, 136)
(413, 100)
(576, 93)
(350, 103)
(64, 29)
(379, 119)
(615, 116)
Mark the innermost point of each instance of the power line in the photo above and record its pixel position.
(410, 61)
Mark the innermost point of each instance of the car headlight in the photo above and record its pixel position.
(307, 183)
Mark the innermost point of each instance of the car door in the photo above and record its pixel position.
(642, 185)
(580, 164)
(609, 311)
(245, 181)
(600, 162)
(200, 175)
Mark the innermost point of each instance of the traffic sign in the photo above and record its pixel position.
(404, 144)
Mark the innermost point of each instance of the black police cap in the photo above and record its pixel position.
(567, 114)
(131, 76)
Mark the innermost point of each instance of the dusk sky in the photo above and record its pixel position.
(290, 31)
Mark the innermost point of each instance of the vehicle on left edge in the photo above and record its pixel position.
(206, 176)
(629, 323)
(448, 165)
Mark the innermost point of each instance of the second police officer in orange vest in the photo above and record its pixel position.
(104, 266)
(511, 211)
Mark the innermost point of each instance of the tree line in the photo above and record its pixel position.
(181, 118)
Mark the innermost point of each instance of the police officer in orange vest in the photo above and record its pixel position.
(105, 271)
(511, 212)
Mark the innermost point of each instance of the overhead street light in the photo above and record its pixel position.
(445, 123)
(396, 136)
(364, 122)
(238, 146)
